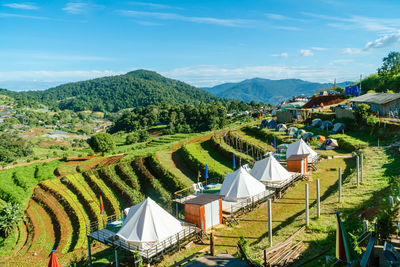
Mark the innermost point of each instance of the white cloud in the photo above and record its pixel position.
(21, 6)
(9, 15)
(174, 16)
(276, 16)
(287, 28)
(318, 48)
(282, 55)
(350, 50)
(306, 53)
(388, 25)
(203, 76)
(152, 5)
(384, 41)
(75, 7)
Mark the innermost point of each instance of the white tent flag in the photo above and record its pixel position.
(269, 169)
(147, 223)
(300, 147)
(240, 184)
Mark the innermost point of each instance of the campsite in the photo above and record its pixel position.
(199, 133)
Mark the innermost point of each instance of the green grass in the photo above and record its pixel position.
(17, 183)
(201, 153)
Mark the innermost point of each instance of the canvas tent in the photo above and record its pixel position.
(300, 147)
(281, 127)
(147, 223)
(330, 143)
(240, 185)
(292, 130)
(269, 170)
(338, 127)
(316, 123)
(307, 136)
(282, 148)
(271, 124)
(326, 125)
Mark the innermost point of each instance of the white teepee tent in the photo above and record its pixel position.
(300, 147)
(269, 169)
(240, 184)
(148, 223)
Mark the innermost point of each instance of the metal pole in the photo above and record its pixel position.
(360, 82)
(116, 257)
(318, 201)
(89, 251)
(361, 165)
(358, 170)
(340, 183)
(176, 209)
(307, 214)
(269, 222)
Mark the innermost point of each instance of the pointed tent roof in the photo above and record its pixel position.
(269, 169)
(240, 184)
(147, 222)
(300, 147)
(53, 262)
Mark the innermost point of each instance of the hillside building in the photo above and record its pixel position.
(382, 103)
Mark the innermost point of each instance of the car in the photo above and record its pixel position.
(340, 106)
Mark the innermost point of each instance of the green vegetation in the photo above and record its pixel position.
(388, 77)
(136, 88)
(13, 147)
(10, 215)
(102, 142)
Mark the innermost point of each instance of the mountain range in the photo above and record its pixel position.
(268, 91)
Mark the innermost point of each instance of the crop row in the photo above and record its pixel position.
(111, 204)
(169, 181)
(150, 184)
(219, 144)
(88, 201)
(128, 195)
(125, 172)
(74, 209)
(196, 157)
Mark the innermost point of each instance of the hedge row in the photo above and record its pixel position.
(150, 183)
(169, 181)
(111, 205)
(125, 172)
(78, 221)
(191, 160)
(348, 143)
(227, 151)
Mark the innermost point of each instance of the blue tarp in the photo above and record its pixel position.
(352, 90)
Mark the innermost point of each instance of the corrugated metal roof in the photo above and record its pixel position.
(297, 157)
(376, 98)
(203, 199)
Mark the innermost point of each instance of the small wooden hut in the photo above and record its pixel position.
(205, 211)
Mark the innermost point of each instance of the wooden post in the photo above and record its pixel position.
(265, 258)
(361, 166)
(270, 222)
(247, 148)
(116, 257)
(89, 252)
(340, 183)
(318, 201)
(212, 244)
(198, 176)
(358, 170)
(365, 226)
(307, 213)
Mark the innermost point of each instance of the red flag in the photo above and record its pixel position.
(53, 260)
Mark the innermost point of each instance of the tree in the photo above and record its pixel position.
(102, 142)
(390, 66)
(10, 215)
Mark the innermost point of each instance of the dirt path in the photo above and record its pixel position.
(28, 163)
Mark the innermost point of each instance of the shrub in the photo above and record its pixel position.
(10, 216)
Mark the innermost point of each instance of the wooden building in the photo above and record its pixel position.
(205, 211)
(298, 163)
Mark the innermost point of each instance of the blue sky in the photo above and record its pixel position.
(203, 42)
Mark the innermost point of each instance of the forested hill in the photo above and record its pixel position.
(268, 91)
(136, 88)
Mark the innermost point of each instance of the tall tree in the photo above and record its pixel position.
(390, 66)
